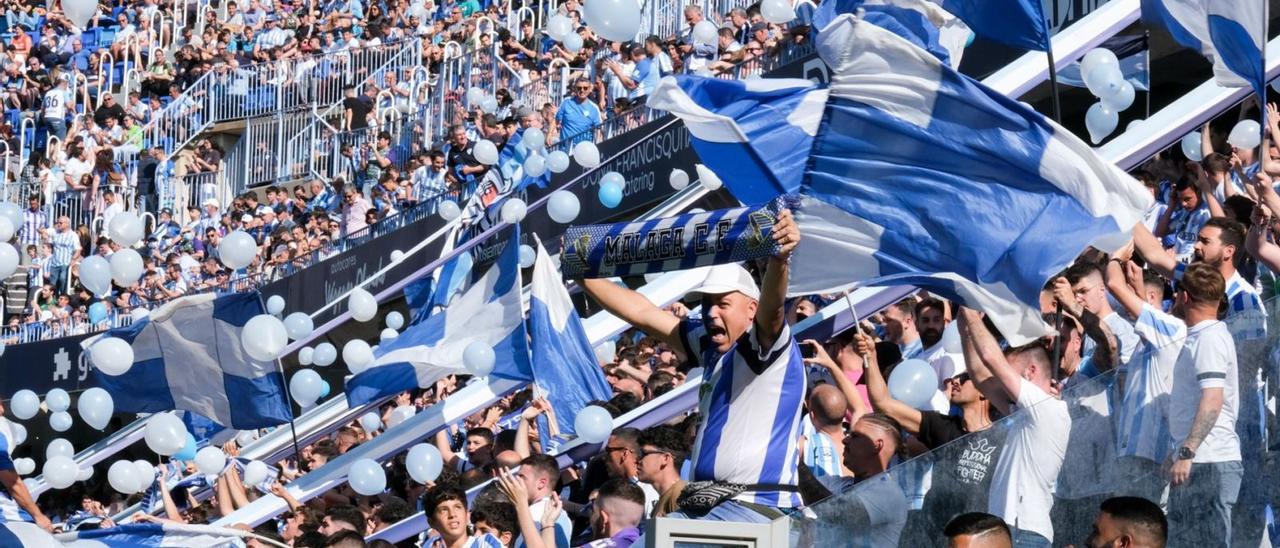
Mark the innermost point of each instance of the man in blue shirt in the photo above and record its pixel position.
(578, 115)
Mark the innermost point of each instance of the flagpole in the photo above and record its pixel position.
(1053, 84)
(288, 398)
(1146, 46)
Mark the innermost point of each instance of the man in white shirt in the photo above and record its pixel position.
(1017, 383)
(539, 474)
(111, 206)
(56, 103)
(1205, 471)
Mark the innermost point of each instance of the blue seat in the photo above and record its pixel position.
(14, 116)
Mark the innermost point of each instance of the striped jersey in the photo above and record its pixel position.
(1142, 425)
(65, 246)
(750, 403)
(483, 540)
(32, 222)
(821, 453)
(912, 349)
(9, 510)
(1246, 315)
(1184, 230)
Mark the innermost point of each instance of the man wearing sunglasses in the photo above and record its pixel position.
(578, 114)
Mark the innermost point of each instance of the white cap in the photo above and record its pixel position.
(246, 218)
(212, 202)
(727, 278)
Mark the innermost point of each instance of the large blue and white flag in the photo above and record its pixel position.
(187, 355)
(489, 312)
(921, 22)
(911, 173)
(1228, 32)
(23, 534)
(1017, 23)
(565, 367)
(141, 535)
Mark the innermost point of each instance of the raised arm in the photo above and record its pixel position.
(1256, 243)
(1105, 354)
(878, 389)
(635, 309)
(1118, 285)
(986, 364)
(1146, 244)
(851, 395)
(771, 313)
(446, 452)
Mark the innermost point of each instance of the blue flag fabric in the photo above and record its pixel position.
(565, 367)
(143, 535)
(1230, 33)
(489, 312)
(912, 173)
(188, 356)
(920, 22)
(1016, 23)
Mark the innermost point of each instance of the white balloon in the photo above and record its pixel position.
(59, 447)
(6, 229)
(13, 212)
(513, 210)
(165, 434)
(572, 42)
(245, 437)
(586, 154)
(535, 166)
(25, 404)
(306, 387)
(362, 305)
(139, 313)
(708, 178)
(478, 358)
(387, 334)
(367, 477)
(112, 356)
(489, 105)
(424, 463)
(606, 351)
(57, 400)
(777, 12)
(95, 275)
(533, 139)
(1191, 146)
(79, 12)
(397, 255)
(559, 26)
(275, 305)
(1103, 80)
(705, 32)
(475, 96)
(370, 422)
(86, 472)
(146, 473)
(1245, 135)
(254, 473)
(485, 152)
(1100, 120)
(563, 206)
(1098, 61)
(1134, 125)
(210, 461)
(19, 433)
(60, 421)
(298, 325)
(449, 210)
(679, 179)
(125, 228)
(8, 260)
(557, 161)
(126, 267)
(951, 339)
(237, 250)
(527, 256)
(395, 320)
(1122, 98)
(60, 472)
(400, 414)
(123, 477)
(263, 337)
(616, 20)
(96, 406)
(593, 424)
(325, 354)
(357, 355)
(24, 466)
(306, 356)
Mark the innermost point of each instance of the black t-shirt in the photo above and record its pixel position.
(103, 112)
(360, 109)
(962, 470)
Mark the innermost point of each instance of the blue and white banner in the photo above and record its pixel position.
(565, 366)
(921, 22)
(488, 312)
(187, 355)
(681, 242)
(913, 174)
(139, 535)
(1016, 23)
(1227, 32)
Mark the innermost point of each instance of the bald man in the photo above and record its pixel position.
(824, 432)
(508, 459)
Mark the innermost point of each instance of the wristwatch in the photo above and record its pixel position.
(1185, 453)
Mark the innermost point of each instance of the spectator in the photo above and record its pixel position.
(446, 510)
(56, 103)
(66, 252)
(976, 529)
(662, 453)
(577, 115)
(622, 452)
(1129, 521)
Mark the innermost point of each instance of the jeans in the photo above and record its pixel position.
(1023, 538)
(1200, 509)
(58, 277)
(57, 127)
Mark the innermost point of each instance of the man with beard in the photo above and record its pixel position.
(900, 328)
(753, 375)
(931, 322)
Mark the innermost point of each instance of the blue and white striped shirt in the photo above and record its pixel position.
(750, 403)
(821, 453)
(32, 222)
(1142, 425)
(9, 510)
(1184, 230)
(65, 246)
(1246, 315)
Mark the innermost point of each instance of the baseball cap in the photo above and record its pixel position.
(727, 278)
(211, 202)
(246, 218)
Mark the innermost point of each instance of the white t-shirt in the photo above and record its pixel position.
(1027, 472)
(564, 528)
(1207, 360)
(55, 103)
